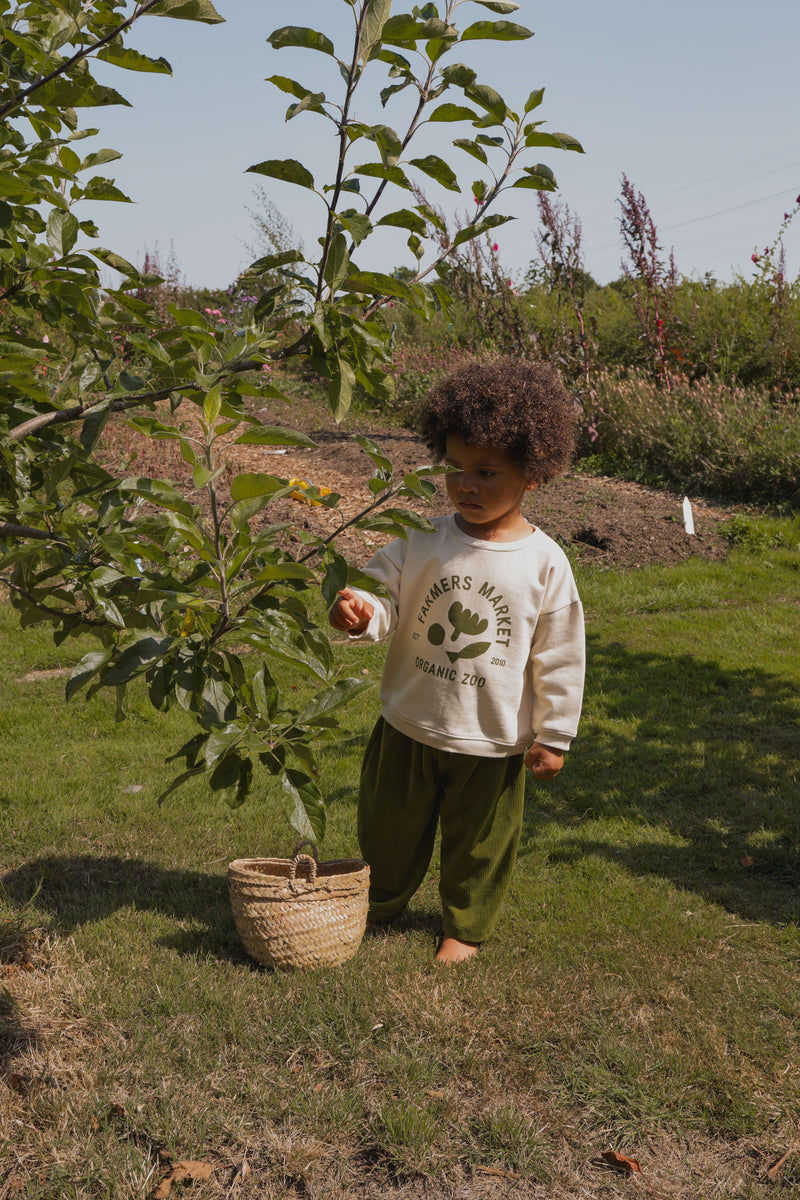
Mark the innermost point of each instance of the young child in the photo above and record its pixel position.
(484, 674)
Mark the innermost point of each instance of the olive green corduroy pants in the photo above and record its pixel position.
(408, 788)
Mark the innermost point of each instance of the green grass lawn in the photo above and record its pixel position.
(642, 993)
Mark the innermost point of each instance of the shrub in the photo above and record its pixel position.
(731, 442)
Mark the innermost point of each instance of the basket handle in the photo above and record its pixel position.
(298, 857)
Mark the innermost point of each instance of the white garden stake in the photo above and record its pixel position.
(688, 519)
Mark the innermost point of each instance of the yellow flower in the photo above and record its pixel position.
(300, 493)
(188, 623)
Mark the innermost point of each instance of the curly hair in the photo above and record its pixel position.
(521, 408)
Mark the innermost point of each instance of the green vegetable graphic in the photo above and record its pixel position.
(465, 621)
(472, 650)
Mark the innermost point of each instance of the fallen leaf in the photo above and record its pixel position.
(434, 1094)
(318, 1087)
(18, 1084)
(746, 860)
(620, 1163)
(183, 1172)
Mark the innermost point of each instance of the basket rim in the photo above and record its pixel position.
(243, 868)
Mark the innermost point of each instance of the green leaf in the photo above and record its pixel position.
(496, 31)
(274, 435)
(265, 693)
(375, 16)
(271, 262)
(453, 112)
(299, 35)
(232, 778)
(337, 262)
(375, 453)
(287, 169)
(407, 518)
(471, 148)
(340, 388)
(381, 171)
(212, 405)
(83, 671)
(559, 141)
(187, 10)
(326, 701)
(104, 189)
(458, 75)
(313, 102)
(405, 218)
(219, 702)
(335, 578)
(115, 261)
(437, 169)
(499, 6)
(62, 232)
(277, 572)
(472, 231)
(540, 177)
(245, 486)
(159, 493)
(357, 225)
(304, 804)
(488, 99)
(290, 86)
(430, 214)
(221, 741)
(403, 29)
(376, 284)
(132, 60)
(132, 661)
(534, 100)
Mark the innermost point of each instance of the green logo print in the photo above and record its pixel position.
(463, 621)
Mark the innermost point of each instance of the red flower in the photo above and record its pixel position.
(754, 258)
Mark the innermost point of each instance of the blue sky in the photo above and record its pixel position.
(695, 101)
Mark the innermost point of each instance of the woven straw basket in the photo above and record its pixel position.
(299, 913)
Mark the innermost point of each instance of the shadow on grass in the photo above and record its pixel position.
(80, 889)
(704, 761)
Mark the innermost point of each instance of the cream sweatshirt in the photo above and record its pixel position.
(487, 651)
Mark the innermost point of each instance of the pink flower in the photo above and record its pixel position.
(593, 434)
(797, 201)
(754, 258)
(45, 338)
(495, 247)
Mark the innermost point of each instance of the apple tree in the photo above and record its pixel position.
(204, 602)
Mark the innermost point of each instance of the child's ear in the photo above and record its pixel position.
(530, 486)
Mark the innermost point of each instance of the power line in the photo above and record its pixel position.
(735, 208)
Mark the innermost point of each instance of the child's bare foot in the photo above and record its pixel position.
(452, 950)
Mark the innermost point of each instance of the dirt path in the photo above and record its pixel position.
(606, 520)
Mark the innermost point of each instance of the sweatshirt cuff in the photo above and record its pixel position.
(553, 739)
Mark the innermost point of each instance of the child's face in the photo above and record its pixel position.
(486, 489)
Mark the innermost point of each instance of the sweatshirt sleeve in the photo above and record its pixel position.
(558, 665)
(386, 567)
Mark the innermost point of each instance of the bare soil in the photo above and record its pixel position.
(605, 520)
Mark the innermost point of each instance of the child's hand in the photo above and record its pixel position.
(543, 762)
(351, 613)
